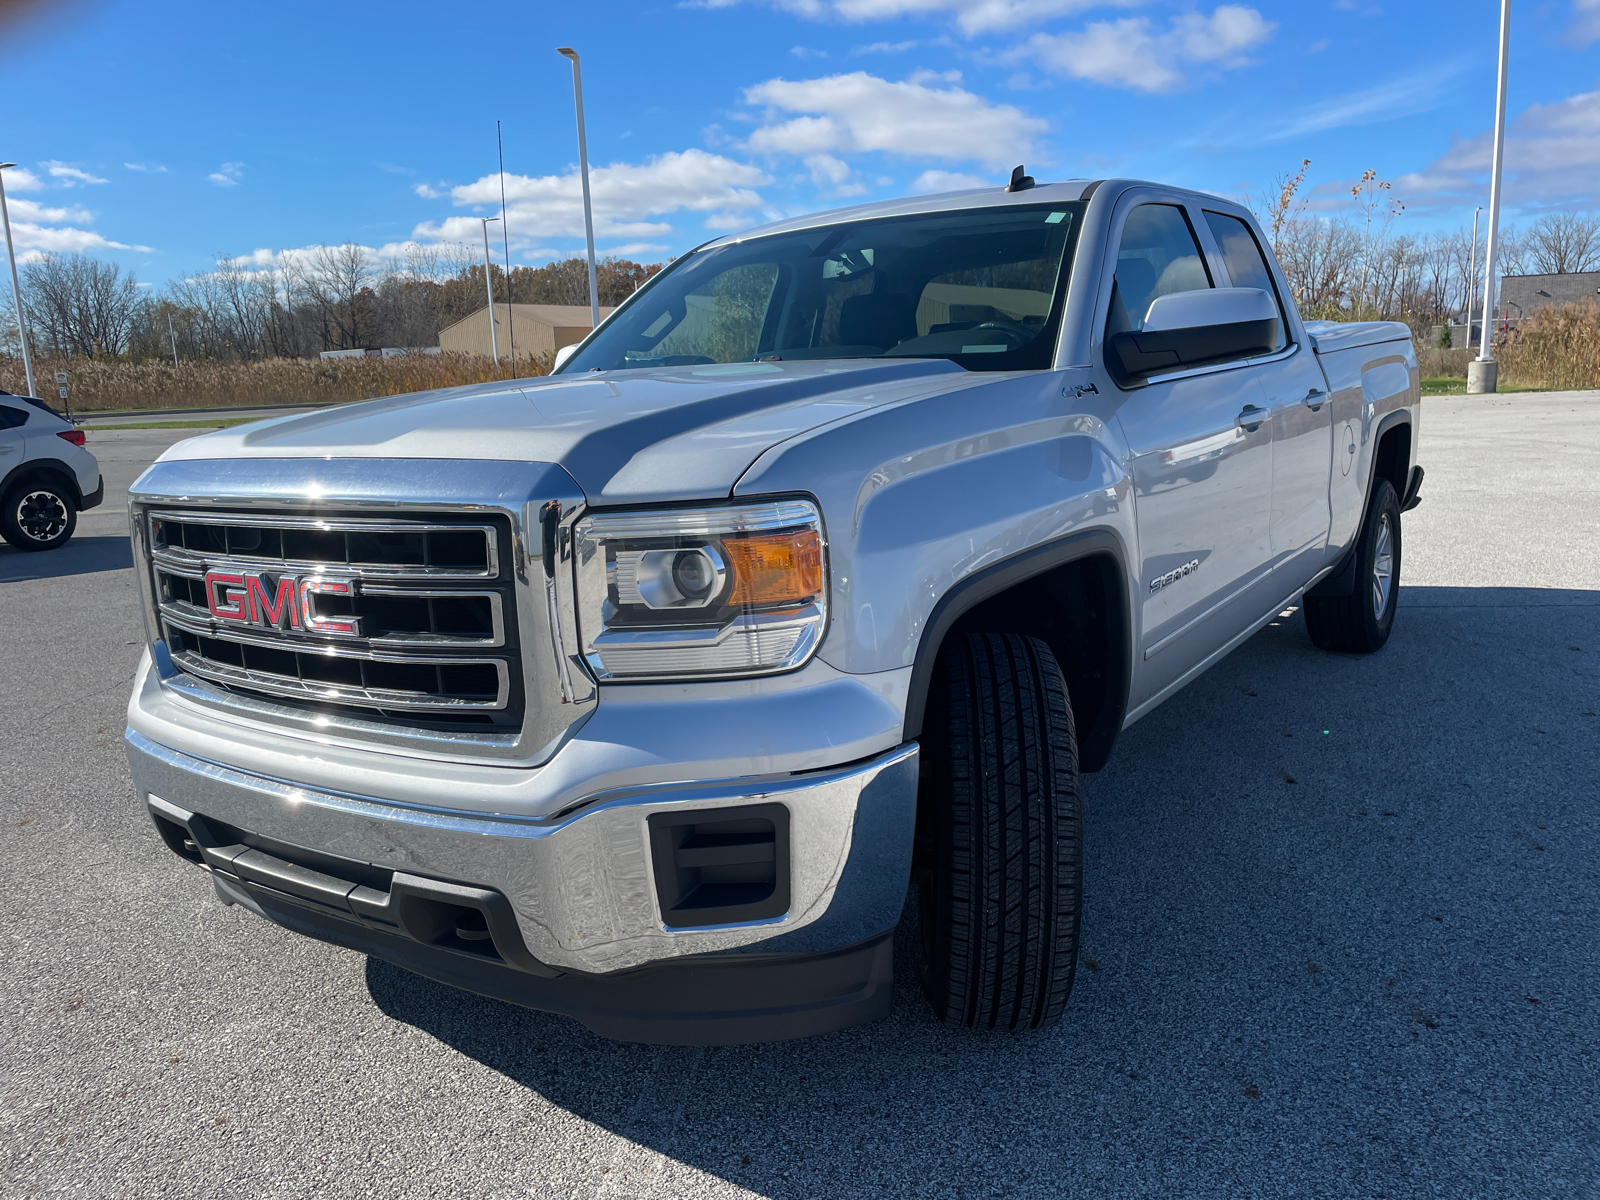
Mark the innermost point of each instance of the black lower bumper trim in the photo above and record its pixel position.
(720, 1000)
(94, 498)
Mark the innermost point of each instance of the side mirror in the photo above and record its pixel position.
(562, 355)
(1195, 329)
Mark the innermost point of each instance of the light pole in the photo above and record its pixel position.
(1483, 372)
(488, 286)
(1472, 273)
(173, 334)
(583, 167)
(16, 288)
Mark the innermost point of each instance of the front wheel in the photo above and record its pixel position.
(1000, 837)
(1361, 622)
(37, 516)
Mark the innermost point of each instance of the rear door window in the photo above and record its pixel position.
(1157, 257)
(11, 418)
(1247, 266)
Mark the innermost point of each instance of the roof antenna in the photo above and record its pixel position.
(1019, 181)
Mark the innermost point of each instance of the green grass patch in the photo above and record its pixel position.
(178, 424)
(1444, 385)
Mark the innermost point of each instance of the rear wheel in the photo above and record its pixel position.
(1362, 621)
(37, 515)
(1000, 838)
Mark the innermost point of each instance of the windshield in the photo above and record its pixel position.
(982, 287)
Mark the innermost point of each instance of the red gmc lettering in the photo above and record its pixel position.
(280, 612)
(321, 624)
(228, 605)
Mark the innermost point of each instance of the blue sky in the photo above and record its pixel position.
(161, 134)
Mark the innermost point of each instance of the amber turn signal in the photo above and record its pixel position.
(775, 568)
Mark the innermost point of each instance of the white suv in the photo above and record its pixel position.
(46, 476)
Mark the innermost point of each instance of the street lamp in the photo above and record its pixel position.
(583, 167)
(1483, 371)
(16, 288)
(488, 286)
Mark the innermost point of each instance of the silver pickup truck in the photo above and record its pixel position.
(659, 691)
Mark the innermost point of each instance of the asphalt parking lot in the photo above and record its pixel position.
(1342, 936)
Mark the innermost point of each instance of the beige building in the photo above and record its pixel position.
(536, 328)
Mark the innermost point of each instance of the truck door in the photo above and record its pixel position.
(1201, 442)
(1302, 418)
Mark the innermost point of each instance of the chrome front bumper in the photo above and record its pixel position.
(581, 884)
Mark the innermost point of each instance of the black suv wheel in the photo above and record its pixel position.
(1000, 839)
(37, 515)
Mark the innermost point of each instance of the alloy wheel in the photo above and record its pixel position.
(1382, 567)
(42, 515)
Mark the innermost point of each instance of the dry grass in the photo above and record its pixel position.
(1554, 348)
(126, 387)
(1435, 363)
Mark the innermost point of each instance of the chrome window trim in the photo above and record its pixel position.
(557, 690)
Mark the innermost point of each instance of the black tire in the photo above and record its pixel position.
(37, 515)
(1000, 837)
(1358, 623)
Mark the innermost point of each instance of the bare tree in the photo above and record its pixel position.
(1564, 244)
(79, 305)
(339, 284)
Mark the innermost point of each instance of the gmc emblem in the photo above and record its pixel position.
(255, 598)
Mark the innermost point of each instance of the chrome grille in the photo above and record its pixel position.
(427, 614)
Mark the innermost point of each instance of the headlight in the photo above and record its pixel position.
(704, 591)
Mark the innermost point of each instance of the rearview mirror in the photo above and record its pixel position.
(562, 355)
(1196, 329)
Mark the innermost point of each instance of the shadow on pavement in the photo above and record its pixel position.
(1340, 936)
(80, 556)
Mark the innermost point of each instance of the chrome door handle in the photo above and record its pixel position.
(1315, 399)
(1251, 418)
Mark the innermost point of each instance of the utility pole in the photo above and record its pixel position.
(16, 288)
(1483, 372)
(488, 286)
(173, 334)
(583, 167)
(505, 238)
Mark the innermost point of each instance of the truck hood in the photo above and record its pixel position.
(679, 433)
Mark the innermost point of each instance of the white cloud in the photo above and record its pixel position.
(20, 179)
(861, 112)
(227, 175)
(971, 16)
(1130, 53)
(947, 181)
(69, 175)
(731, 222)
(625, 197)
(883, 48)
(1552, 157)
(1585, 27)
(23, 209)
(834, 175)
(630, 249)
(427, 192)
(145, 168)
(31, 239)
(804, 52)
(1404, 97)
